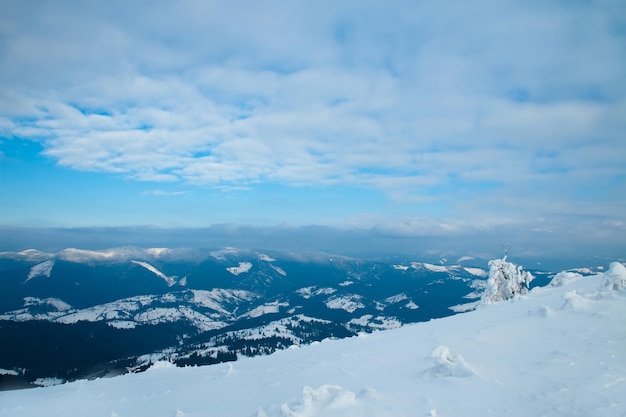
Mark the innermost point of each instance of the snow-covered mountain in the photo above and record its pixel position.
(557, 351)
(83, 314)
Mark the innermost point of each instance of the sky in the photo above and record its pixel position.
(455, 120)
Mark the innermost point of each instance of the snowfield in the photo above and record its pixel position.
(557, 351)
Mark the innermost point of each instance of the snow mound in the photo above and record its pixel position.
(325, 400)
(615, 277)
(447, 364)
(576, 302)
(564, 277)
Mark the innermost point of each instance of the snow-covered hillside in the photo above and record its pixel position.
(557, 351)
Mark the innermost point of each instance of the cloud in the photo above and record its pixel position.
(161, 192)
(473, 105)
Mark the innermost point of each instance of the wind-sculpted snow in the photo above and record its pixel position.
(447, 364)
(556, 351)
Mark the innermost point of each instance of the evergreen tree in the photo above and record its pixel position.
(505, 281)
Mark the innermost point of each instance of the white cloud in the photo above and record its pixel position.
(161, 192)
(423, 100)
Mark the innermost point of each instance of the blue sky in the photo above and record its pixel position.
(412, 119)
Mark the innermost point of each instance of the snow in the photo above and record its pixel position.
(396, 298)
(350, 303)
(308, 292)
(435, 268)
(59, 305)
(242, 268)
(213, 299)
(268, 308)
(266, 258)
(376, 323)
(156, 252)
(169, 280)
(279, 270)
(48, 382)
(563, 277)
(400, 267)
(556, 351)
(41, 269)
(12, 372)
(222, 254)
(476, 271)
(82, 255)
(615, 277)
(31, 255)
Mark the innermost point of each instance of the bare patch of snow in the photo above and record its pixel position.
(400, 267)
(222, 254)
(156, 252)
(435, 268)
(396, 298)
(242, 268)
(169, 280)
(41, 269)
(476, 271)
(279, 270)
(349, 303)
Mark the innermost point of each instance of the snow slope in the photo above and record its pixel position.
(558, 351)
(169, 280)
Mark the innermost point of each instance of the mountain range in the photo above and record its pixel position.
(79, 314)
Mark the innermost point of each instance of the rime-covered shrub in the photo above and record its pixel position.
(615, 277)
(505, 281)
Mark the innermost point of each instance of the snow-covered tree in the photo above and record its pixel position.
(615, 277)
(505, 281)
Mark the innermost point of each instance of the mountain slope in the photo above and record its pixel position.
(557, 351)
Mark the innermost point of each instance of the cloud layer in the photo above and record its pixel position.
(489, 107)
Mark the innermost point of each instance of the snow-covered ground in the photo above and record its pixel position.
(558, 351)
